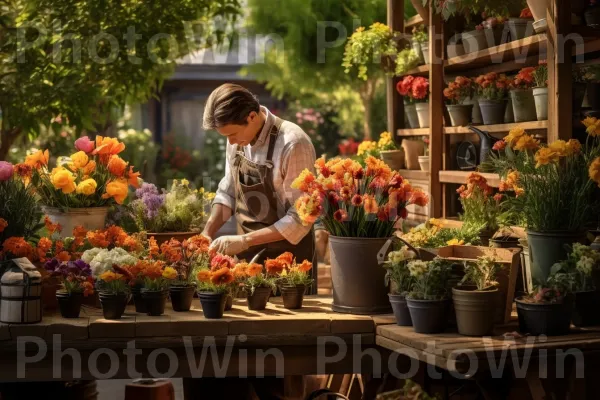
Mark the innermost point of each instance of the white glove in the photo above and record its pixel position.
(230, 245)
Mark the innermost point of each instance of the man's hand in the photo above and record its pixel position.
(230, 245)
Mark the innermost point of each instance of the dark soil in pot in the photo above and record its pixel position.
(69, 304)
(475, 310)
(258, 300)
(585, 308)
(545, 319)
(292, 296)
(140, 304)
(181, 297)
(113, 305)
(428, 316)
(155, 301)
(213, 304)
(400, 308)
(505, 242)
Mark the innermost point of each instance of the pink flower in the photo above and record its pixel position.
(84, 144)
(6, 170)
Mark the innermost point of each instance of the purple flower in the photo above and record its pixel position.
(52, 264)
(146, 189)
(79, 268)
(153, 203)
(6, 170)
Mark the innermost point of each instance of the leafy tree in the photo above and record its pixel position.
(79, 59)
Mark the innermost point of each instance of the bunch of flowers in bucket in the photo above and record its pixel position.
(353, 201)
(292, 278)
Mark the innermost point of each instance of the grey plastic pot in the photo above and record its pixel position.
(545, 319)
(400, 308)
(474, 41)
(509, 115)
(520, 28)
(548, 248)
(411, 115)
(523, 105)
(357, 277)
(476, 112)
(540, 96)
(416, 47)
(429, 316)
(423, 114)
(492, 111)
(460, 114)
(475, 310)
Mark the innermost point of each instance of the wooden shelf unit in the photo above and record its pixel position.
(421, 70)
(413, 132)
(528, 126)
(414, 174)
(460, 177)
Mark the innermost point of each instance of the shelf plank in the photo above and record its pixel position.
(518, 50)
(413, 132)
(460, 177)
(528, 126)
(413, 21)
(421, 70)
(414, 174)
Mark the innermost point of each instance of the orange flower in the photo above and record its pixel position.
(370, 204)
(204, 275)
(419, 198)
(3, 224)
(116, 165)
(222, 276)
(79, 232)
(17, 246)
(98, 239)
(171, 250)
(38, 159)
(254, 269)
(89, 168)
(152, 247)
(43, 246)
(58, 246)
(274, 267)
(63, 256)
(240, 271)
(51, 227)
(116, 189)
(88, 288)
(305, 266)
(197, 243)
(151, 269)
(107, 147)
(133, 178)
(286, 259)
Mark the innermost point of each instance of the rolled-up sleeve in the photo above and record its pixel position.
(226, 191)
(299, 156)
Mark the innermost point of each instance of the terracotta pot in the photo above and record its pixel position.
(424, 163)
(69, 304)
(92, 218)
(460, 114)
(292, 296)
(411, 115)
(545, 319)
(166, 236)
(412, 150)
(540, 96)
(423, 114)
(475, 310)
(523, 105)
(393, 158)
(213, 304)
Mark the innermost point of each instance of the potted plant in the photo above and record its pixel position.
(579, 265)
(220, 261)
(420, 43)
(475, 306)
(521, 94)
(480, 206)
(213, 289)
(428, 301)
(113, 291)
(592, 14)
(76, 282)
(194, 256)
(550, 188)
(260, 284)
(398, 277)
(157, 279)
(540, 91)
(175, 213)
(424, 159)
(497, 26)
(433, 234)
(491, 93)
(359, 209)
(292, 280)
(420, 94)
(404, 88)
(457, 93)
(475, 39)
(389, 152)
(538, 11)
(413, 147)
(521, 27)
(455, 47)
(79, 191)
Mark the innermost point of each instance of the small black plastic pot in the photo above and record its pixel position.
(292, 296)
(138, 301)
(585, 308)
(551, 319)
(69, 304)
(181, 297)
(213, 304)
(400, 308)
(258, 300)
(155, 301)
(429, 316)
(113, 305)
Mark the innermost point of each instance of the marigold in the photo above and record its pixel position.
(366, 147)
(43, 247)
(545, 156)
(305, 266)
(240, 271)
(116, 189)
(98, 239)
(153, 249)
(573, 146)
(592, 125)
(513, 135)
(304, 182)
(38, 159)
(3, 224)
(254, 269)
(526, 142)
(171, 251)
(116, 166)
(594, 170)
(274, 267)
(203, 275)
(197, 243)
(169, 273)
(222, 276)
(17, 246)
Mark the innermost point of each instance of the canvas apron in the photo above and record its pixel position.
(258, 207)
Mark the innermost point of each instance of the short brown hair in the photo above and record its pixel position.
(229, 104)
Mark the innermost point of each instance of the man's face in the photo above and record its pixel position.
(242, 134)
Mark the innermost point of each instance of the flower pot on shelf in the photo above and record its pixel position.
(585, 308)
(474, 41)
(259, 298)
(579, 89)
(523, 105)
(181, 297)
(138, 301)
(548, 248)
(476, 118)
(541, 103)
(460, 114)
(492, 111)
(520, 28)
(393, 158)
(500, 34)
(592, 16)
(69, 304)
(425, 52)
(424, 163)
(113, 305)
(538, 10)
(292, 296)
(509, 115)
(429, 316)
(455, 50)
(356, 276)
(475, 310)
(416, 47)
(400, 309)
(213, 304)
(412, 150)
(92, 218)
(155, 301)
(411, 115)
(485, 236)
(423, 114)
(163, 237)
(551, 319)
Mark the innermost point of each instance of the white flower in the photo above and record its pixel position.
(89, 255)
(103, 259)
(585, 265)
(401, 255)
(147, 132)
(417, 268)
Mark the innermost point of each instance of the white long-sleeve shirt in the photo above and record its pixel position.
(293, 153)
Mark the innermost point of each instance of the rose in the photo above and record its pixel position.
(84, 144)
(116, 189)
(87, 187)
(63, 179)
(6, 170)
(80, 159)
(116, 166)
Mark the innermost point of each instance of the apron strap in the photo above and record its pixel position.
(272, 139)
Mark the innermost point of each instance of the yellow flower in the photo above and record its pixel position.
(594, 171)
(559, 147)
(545, 156)
(303, 181)
(366, 146)
(116, 189)
(526, 142)
(592, 125)
(89, 168)
(185, 182)
(79, 159)
(455, 242)
(169, 273)
(514, 135)
(385, 140)
(63, 179)
(573, 146)
(87, 187)
(38, 159)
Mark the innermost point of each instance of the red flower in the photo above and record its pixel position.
(357, 200)
(405, 85)
(420, 88)
(499, 145)
(340, 215)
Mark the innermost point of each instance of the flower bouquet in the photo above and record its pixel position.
(491, 94)
(214, 286)
(457, 93)
(76, 281)
(79, 190)
(521, 93)
(397, 273)
(415, 91)
(359, 207)
(292, 278)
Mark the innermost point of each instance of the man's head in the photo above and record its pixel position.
(234, 112)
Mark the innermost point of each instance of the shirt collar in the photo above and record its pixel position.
(264, 133)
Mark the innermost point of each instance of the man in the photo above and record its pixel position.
(263, 157)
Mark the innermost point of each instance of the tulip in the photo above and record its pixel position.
(84, 144)
(6, 170)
